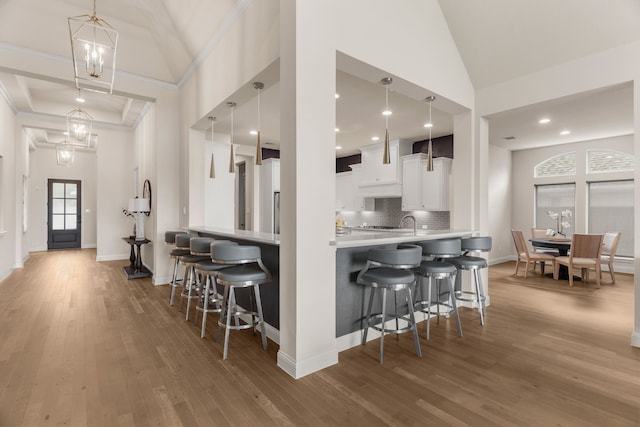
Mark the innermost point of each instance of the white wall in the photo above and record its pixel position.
(8, 198)
(43, 166)
(500, 189)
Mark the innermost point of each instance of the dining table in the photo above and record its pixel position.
(562, 245)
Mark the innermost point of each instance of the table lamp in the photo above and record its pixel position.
(138, 207)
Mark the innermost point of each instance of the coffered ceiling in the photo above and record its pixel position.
(160, 41)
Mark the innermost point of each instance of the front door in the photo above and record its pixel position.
(64, 218)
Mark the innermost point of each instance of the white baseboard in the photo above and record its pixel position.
(89, 246)
(6, 274)
(160, 281)
(300, 368)
(635, 339)
(501, 260)
(115, 257)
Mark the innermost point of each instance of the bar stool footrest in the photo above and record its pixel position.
(376, 319)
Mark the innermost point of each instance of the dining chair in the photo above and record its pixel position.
(585, 254)
(609, 247)
(541, 233)
(523, 254)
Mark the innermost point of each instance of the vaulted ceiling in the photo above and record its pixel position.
(162, 39)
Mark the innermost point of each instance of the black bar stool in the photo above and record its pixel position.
(390, 270)
(435, 267)
(474, 264)
(250, 272)
(209, 300)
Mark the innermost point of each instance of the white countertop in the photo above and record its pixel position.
(253, 236)
(370, 238)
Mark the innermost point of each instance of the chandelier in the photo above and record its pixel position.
(79, 126)
(65, 154)
(93, 44)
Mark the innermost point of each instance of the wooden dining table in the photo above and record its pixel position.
(562, 245)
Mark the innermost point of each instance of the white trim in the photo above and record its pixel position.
(89, 246)
(161, 280)
(141, 115)
(299, 368)
(5, 95)
(635, 339)
(3, 232)
(115, 257)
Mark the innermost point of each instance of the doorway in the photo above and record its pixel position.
(63, 214)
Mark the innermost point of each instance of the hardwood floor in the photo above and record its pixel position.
(81, 345)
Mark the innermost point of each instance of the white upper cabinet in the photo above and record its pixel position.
(379, 179)
(422, 190)
(348, 195)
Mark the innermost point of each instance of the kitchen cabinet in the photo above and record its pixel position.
(269, 185)
(379, 179)
(422, 190)
(348, 195)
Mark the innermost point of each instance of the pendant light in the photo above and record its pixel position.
(93, 42)
(429, 99)
(79, 124)
(386, 157)
(232, 160)
(259, 86)
(212, 167)
(65, 154)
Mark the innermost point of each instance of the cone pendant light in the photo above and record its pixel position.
(430, 99)
(258, 86)
(232, 157)
(212, 167)
(386, 157)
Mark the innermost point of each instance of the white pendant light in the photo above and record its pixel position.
(232, 159)
(430, 99)
(386, 157)
(212, 167)
(93, 46)
(259, 86)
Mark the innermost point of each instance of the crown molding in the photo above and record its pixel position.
(8, 99)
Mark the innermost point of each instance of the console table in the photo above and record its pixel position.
(136, 270)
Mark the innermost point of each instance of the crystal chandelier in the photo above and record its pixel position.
(93, 44)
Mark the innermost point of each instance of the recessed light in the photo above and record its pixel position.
(337, 129)
(337, 95)
(544, 121)
(375, 138)
(253, 132)
(428, 125)
(338, 147)
(65, 133)
(565, 132)
(80, 100)
(387, 113)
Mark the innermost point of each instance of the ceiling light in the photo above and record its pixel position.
(212, 166)
(338, 147)
(232, 159)
(80, 99)
(375, 138)
(253, 132)
(93, 42)
(429, 100)
(80, 126)
(428, 125)
(565, 132)
(337, 95)
(259, 86)
(337, 129)
(386, 158)
(544, 121)
(65, 154)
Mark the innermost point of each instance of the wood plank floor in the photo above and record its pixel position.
(82, 346)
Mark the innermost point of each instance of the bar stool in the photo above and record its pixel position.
(390, 270)
(181, 242)
(467, 262)
(208, 294)
(199, 251)
(435, 267)
(250, 273)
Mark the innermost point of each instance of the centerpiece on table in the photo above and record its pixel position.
(561, 224)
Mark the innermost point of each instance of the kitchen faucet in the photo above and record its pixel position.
(414, 222)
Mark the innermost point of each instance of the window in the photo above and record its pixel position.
(561, 165)
(611, 209)
(609, 161)
(555, 198)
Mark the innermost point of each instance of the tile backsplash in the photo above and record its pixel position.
(389, 212)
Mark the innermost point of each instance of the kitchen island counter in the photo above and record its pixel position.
(359, 238)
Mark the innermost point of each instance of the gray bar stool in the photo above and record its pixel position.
(250, 273)
(209, 299)
(472, 263)
(180, 240)
(435, 267)
(199, 251)
(390, 270)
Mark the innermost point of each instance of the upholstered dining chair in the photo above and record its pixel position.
(527, 257)
(585, 254)
(609, 248)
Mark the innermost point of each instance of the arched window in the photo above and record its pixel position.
(599, 161)
(560, 165)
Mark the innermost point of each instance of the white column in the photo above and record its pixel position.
(307, 261)
(635, 336)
